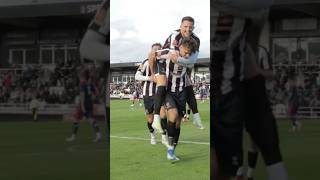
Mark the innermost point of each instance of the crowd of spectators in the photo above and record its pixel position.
(307, 81)
(51, 85)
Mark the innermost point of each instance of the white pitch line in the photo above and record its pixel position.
(144, 139)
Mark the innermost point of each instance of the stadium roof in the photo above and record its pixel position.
(33, 2)
(36, 8)
(132, 64)
(295, 8)
(295, 1)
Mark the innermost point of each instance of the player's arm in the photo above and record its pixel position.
(139, 74)
(152, 61)
(94, 43)
(190, 61)
(183, 61)
(253, 36)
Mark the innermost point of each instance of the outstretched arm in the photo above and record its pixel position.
(94, 44)
(152, 61)
(254, 32)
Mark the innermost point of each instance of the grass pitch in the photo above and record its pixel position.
(134, 158)
(38, 151)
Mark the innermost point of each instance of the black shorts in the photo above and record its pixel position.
(148, 104)
(160, 67)
(227, 129)
(176, 100)
(260, 121)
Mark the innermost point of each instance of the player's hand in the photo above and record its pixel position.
(152, 55)
(152, 78)
(173, 56)
(185, 118)
(100, 15)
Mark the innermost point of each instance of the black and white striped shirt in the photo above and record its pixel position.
(143, 73)
(175, 38)
(176, 72)
(264, 58)
(176, 75)
(227, 52)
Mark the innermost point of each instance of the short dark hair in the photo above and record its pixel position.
(187, 18)
(156, 44)
(189, 43)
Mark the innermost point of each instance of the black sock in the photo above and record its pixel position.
(151, 130)
(164, 125)
(159, 98)
(171, 132)
(252, 159)
(176, 137)
(95, 127)
(191, 99)
(188, 111)
(75, 128)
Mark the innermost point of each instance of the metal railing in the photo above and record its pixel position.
(46, 109)
(305, 112)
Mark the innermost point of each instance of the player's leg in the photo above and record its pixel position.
(262, 127)
(96, 129)
(180, 101)
(139, 100)
(160, 94)
(178, 129)
(76, 117)
(172, 114)
(132, 100)
(227, 128)
(192, 102)
(153, 139)
(293, 111)
(94, 124)
(164, 125)
(148, 107)
(253, 153)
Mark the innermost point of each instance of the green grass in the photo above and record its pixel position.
(138, 160)
(37, 151)
(300, 150)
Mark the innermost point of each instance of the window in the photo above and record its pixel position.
(46, 56)
(16, 56)
(32, 56)
(296, 51)
(299, 24)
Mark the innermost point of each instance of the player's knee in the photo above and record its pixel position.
(172, 114)
(163, 113)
